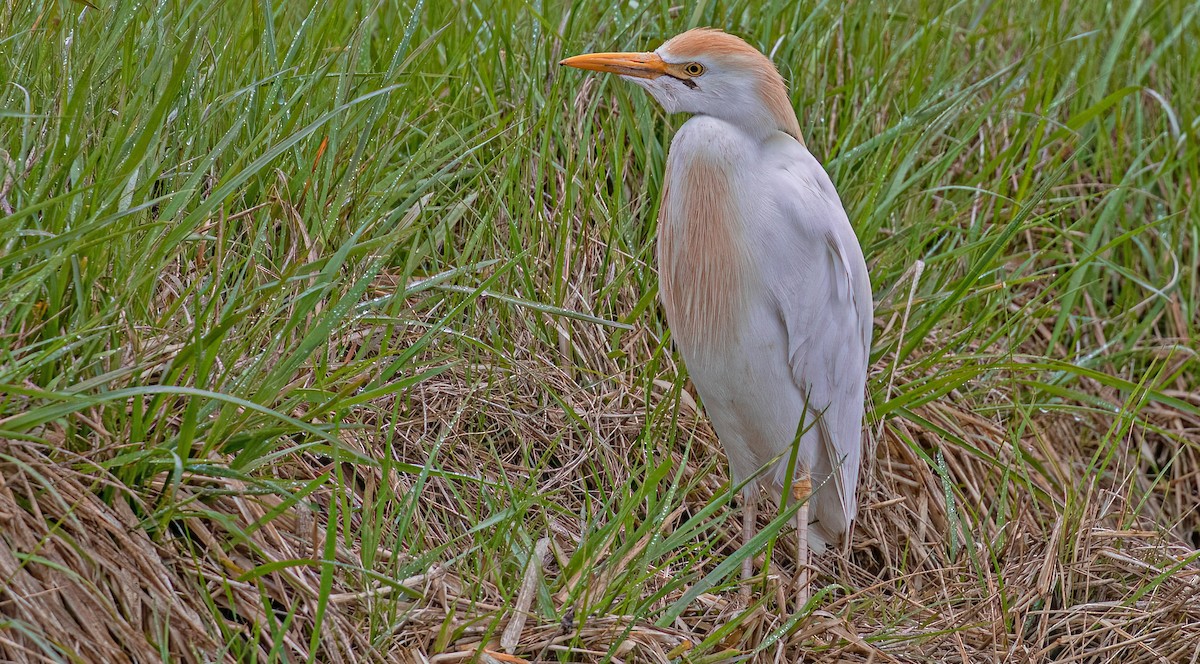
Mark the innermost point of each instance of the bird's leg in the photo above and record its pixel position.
(801, 490)
(749, 525)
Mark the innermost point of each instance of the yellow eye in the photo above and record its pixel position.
(693, 69)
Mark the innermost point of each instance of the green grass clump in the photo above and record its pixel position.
(317, 318)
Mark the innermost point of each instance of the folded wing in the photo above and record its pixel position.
(820, 284)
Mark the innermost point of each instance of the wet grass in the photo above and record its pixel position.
(342, 308)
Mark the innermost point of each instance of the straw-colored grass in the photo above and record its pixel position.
(329, 332)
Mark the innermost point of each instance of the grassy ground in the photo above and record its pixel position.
(328, 332)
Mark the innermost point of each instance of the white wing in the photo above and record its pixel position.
(818, 278)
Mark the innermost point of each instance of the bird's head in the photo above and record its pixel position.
(706, 72)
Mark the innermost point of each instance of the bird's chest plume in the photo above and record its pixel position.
(702, 262)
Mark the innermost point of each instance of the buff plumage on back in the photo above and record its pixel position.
(771, 87)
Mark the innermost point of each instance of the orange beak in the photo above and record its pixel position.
(640, 65)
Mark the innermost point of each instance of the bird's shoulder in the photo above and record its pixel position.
(797, 176)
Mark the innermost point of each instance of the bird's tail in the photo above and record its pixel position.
(820, 539)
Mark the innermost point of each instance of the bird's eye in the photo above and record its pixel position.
(693, 69)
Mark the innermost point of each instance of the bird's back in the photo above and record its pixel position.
(766, 292)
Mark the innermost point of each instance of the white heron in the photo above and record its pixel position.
(761, 276)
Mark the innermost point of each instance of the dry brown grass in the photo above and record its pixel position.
(1097, 580)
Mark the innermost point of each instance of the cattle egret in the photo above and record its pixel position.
(762, 279)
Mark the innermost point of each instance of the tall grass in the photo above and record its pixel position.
(379, 276)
